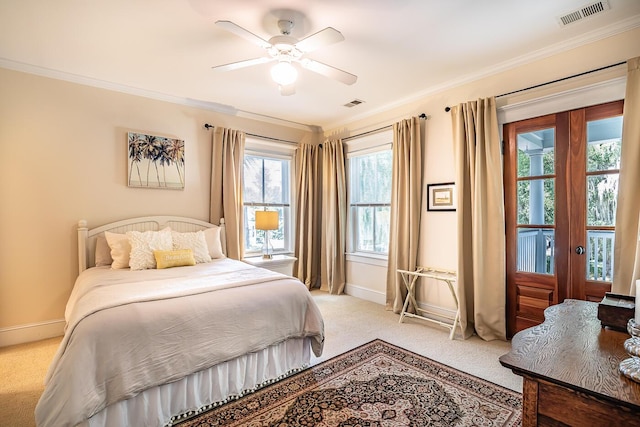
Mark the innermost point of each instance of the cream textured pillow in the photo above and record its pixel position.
(143, 243)
(176, 258)
(103, 251)
(194, 241)
(212, 236)
(120, 249)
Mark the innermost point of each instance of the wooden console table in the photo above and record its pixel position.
(570, 368)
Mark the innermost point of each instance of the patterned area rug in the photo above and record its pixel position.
(377, 384)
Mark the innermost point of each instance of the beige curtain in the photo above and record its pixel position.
(334, 218)
(308, 202)
(227, 157)
(481, 224)
(626, 248)
(406, 207)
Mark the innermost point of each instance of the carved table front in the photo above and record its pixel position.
(570, 368)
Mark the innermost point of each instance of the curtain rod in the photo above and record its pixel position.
(447, 109)
(207, 126)
(422, 116)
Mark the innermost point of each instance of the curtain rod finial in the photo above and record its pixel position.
(207, 126)
(447, 109)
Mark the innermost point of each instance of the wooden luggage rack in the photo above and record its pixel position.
(410, 279)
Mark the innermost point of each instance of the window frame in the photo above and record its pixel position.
(274, 151)
(358, 147)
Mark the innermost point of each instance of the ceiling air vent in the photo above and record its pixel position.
(584, 12)
(353, 103)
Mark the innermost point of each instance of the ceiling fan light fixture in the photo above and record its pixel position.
(284, 73)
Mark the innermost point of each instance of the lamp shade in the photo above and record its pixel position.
(266, 220)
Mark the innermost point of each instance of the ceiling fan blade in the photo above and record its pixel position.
(242, 64)
(320, 39)
(239, 31)
(329, 71)
(287, 90)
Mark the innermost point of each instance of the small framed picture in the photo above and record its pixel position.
(441, 197)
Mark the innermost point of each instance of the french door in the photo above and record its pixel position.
(561, 185)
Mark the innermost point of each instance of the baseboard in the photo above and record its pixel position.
(440, 314)
(31, 332)
(435, 312)
(365, 294)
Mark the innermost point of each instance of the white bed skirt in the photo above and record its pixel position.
(168, 404)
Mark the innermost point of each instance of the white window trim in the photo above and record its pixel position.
(367, 144)
(379, 260)
(266, 146)
(372, 142)
(593, 94)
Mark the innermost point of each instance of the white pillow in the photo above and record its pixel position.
(143, 243)
(212, 236)
(194, 241)
(120, 249)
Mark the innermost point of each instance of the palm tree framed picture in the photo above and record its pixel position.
(155, 161)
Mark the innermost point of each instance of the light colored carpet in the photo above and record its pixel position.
(349, 322)
(22, 371)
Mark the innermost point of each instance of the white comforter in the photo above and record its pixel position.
(130, 330)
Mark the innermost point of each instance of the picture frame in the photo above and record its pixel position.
(155, 162)
(441, 197)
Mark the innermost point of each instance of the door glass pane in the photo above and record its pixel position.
(600, 255)
(535, 250)
(602, 199)
(536, 153)
(536, 201)
(603, 144)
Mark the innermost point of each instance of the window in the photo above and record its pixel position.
(370, 200)
(267, 187)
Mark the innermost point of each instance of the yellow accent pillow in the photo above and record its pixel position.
(177, 258)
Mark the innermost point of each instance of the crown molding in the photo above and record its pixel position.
(158, 96)
(591, 37)
(572, 43)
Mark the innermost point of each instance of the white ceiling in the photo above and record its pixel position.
(400, 50)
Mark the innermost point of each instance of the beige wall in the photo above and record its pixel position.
(63, 158)
(438, 229)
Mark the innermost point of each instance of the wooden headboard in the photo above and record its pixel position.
(87, 237)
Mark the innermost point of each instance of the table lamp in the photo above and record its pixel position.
(266, 220)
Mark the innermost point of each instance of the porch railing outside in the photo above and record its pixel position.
(600, 255)
(536, 253)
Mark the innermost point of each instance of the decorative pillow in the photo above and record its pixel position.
(194, 241)
(175, 258)
(120, 249)
(212, 236)
(143, 243)
(103, 251)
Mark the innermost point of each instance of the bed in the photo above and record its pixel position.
(154, 346)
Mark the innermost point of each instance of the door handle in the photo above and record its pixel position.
(579, 250)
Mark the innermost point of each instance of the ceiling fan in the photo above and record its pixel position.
(286, 49)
